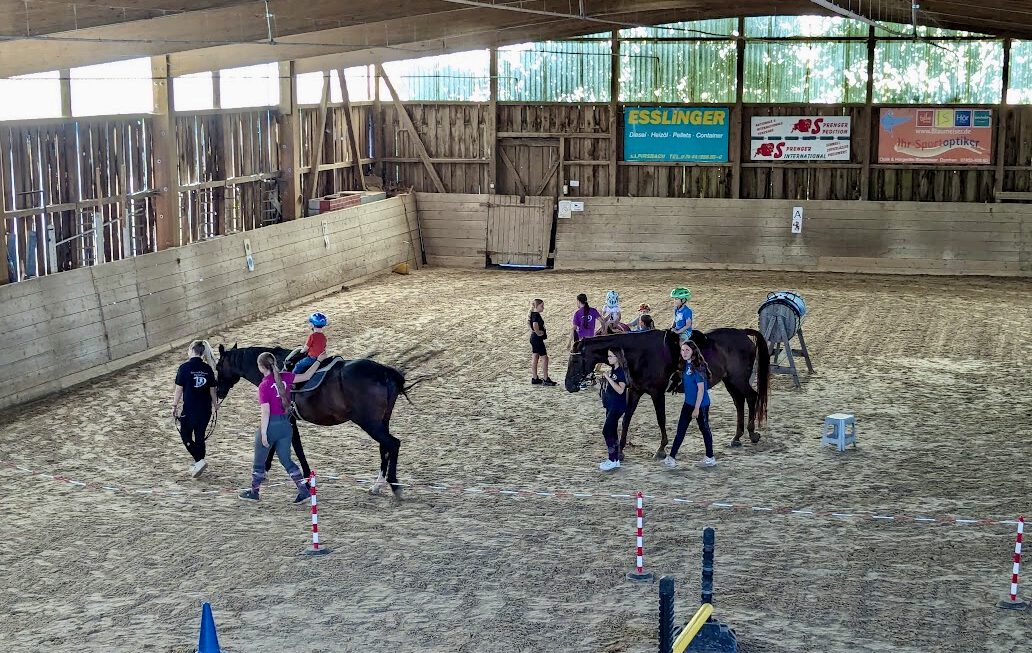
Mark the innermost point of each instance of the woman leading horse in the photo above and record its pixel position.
(653, 358)
(360, 391)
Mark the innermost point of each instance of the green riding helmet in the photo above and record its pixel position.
(681, 293)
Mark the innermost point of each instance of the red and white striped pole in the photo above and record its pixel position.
(639, 574)
(1014, 603)
(315, 549)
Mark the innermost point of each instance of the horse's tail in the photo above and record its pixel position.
(404, 389)
(762, 374)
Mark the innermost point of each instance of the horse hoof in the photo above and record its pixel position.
(754, 438)
(661, 454)
(735, 443)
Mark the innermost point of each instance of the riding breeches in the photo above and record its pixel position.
(192, 426)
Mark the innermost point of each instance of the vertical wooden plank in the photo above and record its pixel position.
(491, 149)
(315, 155)
(615, 114)
(1001, 121)
(290, 142)
(166, 157)
(735, 148)
(869, 122)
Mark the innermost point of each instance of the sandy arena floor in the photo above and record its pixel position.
(937, 370)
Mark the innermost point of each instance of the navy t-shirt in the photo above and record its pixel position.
(535, 318)
(196, 378)
(611, 399)
(692, 378)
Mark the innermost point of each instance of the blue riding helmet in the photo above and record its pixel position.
(318, 320)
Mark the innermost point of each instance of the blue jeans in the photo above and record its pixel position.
(686, 335)
(279, 435)
(682, 428)
(304, 364)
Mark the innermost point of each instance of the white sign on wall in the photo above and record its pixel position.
(797, 220)
(785, 138)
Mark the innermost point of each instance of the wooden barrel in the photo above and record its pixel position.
(781, 315)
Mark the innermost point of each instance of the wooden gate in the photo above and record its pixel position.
(529, 166)
(519, 230)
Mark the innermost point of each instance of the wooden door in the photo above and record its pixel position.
(529, 167)
(519, 230)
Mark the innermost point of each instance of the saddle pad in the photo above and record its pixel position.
(316, 380)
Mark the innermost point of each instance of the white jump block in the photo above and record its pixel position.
(835, 432)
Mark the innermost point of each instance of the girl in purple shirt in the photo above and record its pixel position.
(275, 431)
(585, 320)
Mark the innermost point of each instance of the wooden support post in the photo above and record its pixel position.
(166, 157)
(736, 149)
(65, 77)
(378, 128)
(559, 168)
(222, 198)
(411, 128)
(4, 272)
(356, 154)
(216, 89)
(615, 115)
(869, 121)
(1001, 123)
(318, 138)
(492, 126)
(290, 143)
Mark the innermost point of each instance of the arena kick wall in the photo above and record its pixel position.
(67, 328)
(838, 236)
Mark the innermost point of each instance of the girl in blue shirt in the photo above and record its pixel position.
(696, 404)
(682, 325)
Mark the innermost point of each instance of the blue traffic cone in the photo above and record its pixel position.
(208, 642)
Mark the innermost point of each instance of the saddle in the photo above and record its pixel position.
(316, 380)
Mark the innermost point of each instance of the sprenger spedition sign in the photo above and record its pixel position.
(786, 138)
(688, 134)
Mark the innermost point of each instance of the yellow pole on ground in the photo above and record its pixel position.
(692, 628)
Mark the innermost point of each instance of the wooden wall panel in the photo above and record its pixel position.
(454, 228)
(931, 238)
(455, 137)
(66, 329)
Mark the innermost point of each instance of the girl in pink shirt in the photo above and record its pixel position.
(275, 431)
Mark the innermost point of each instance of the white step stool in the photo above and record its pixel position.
(835, 432)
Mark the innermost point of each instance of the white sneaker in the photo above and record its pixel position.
(608, 465)
(198, 467)
(708, 462)
(669, 462)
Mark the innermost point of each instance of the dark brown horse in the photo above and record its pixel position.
(654, 356)
(362, 391)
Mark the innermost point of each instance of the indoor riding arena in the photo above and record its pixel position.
(849, 183)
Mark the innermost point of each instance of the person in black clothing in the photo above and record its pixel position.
(537, 344)
(195, 402)
(614, 400)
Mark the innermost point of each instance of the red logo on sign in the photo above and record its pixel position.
(805, 125)
(771, 149)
